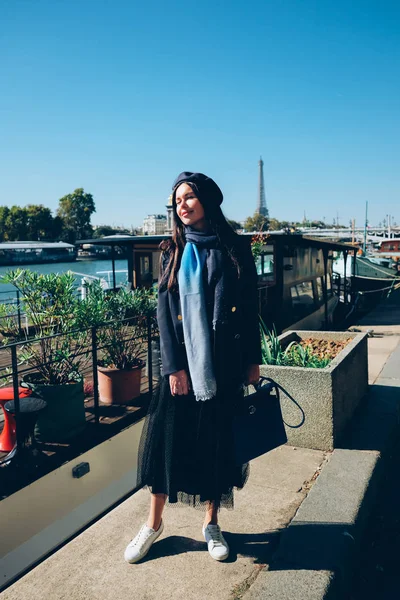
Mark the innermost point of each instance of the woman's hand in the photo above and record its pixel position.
(179, 383)
(252, 374)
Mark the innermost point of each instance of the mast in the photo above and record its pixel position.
(365, 228)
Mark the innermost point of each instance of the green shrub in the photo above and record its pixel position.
(121, 320)
(294, 355)
(52, 348)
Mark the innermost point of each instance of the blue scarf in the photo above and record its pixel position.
(194, 320)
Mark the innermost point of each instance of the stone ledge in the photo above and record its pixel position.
(291, 585)
(318, 550)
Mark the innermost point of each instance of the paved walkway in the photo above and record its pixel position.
(385, 318)
(91, 567)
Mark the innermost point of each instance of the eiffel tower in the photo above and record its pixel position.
(261, 204)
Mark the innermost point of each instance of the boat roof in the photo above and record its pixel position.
(125, 239)
(117, 235)
(37, 245)
(298, 239)
(280, 237)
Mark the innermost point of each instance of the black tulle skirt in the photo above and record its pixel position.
(186, 449)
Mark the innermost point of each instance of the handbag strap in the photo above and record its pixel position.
(272, 385)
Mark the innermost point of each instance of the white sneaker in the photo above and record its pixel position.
(217, 546)
(141, 544)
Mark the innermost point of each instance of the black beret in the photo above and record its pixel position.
(208, 189)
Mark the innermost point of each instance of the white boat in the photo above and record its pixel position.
(367, 273)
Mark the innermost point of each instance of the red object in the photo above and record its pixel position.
(8, 436)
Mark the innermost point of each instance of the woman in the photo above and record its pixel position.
(210, 347)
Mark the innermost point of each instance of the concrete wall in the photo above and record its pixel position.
(317, 404)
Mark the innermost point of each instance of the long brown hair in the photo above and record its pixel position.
(227, 238)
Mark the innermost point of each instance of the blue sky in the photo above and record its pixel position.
(119, 96)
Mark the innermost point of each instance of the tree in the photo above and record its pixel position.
(39, 222)
(76, 210)
(16, 224)
(275, 225)
(57, 228)
(4, 211)
(103, 230)
(287, 225)
(256, 223)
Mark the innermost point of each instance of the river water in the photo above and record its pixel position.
(80, 267)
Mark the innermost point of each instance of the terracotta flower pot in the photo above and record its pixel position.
(117, 386)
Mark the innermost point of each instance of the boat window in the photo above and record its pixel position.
(144, 265)
(265, 263)
(302, 299)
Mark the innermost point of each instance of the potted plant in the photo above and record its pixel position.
(120, 318)
(53, 353)
(322, 376)
(120, 368)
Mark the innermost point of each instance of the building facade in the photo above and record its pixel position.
(154, 225)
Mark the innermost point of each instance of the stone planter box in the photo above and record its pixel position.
(326, 398)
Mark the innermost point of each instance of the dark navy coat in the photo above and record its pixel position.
(236, 342)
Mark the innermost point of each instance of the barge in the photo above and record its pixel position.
(295, 275)
(29, 253)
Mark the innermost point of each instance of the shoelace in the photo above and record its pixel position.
(216, 535)
(140, 538)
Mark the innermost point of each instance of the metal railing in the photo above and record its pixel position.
(12, 298)
(87, 350)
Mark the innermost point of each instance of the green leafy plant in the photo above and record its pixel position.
(257, 243)
(303, 356)
(121, 320)
(294, 355)
(48, 300)
(53, 350)
(271, 349)
(9, 321)
(99, 307)
(57, 346)
(122, 346)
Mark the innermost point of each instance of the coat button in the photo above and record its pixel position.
(237, 336)
(179, 317)
(233, 308)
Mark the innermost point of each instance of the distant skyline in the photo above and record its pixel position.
(119, 97)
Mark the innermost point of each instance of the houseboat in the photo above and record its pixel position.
(295, 282)
(369, 273)
(89, 251)
(390, 248)
(28, 253)
(294, 275)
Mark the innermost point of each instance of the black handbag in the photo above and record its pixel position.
(258, 424)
